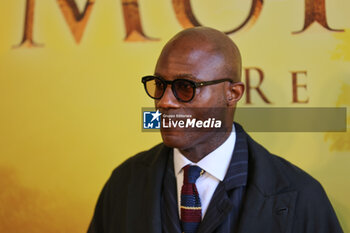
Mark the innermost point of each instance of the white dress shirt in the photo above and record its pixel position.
(215, 165)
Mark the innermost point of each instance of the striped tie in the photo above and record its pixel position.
(191, 210)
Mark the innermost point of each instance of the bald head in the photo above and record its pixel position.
(207, 46)
(200, 55)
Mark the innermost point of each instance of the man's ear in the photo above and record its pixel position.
(234, 93)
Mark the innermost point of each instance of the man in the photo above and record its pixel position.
(208, 180)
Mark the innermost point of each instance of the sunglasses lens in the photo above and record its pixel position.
(184, 89)
(155, 88)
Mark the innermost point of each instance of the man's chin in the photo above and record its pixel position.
(173, 139)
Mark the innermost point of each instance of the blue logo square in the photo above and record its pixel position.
(151, 120)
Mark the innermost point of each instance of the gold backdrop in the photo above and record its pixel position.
(71, 96)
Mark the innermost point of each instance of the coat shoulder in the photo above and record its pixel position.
(145, 158)
(276, 169)
(297, 177)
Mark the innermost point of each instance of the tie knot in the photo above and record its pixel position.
(191, 174)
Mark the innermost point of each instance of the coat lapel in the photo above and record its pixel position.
(224, 199)
(220, 206)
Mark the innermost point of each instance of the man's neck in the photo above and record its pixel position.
(195, 154)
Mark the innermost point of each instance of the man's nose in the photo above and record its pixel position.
(168, 100)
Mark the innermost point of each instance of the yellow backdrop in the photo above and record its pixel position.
(71, 96)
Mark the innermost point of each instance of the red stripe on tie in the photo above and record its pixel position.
(191, 215)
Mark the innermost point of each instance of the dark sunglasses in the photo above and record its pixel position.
(183, 89)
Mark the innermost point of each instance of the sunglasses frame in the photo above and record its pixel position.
(194, 85)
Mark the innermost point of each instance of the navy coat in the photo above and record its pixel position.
(279, 197)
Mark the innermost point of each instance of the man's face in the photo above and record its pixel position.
(198, 63)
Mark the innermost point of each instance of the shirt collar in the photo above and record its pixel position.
(210, 162)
